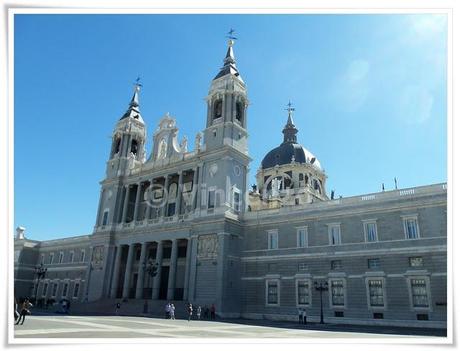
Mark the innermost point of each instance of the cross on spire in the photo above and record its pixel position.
(230, 34)
(137, 84)
(290, 109)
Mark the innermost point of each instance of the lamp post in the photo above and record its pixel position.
(321, 286)
(151, 268)
(40, 272)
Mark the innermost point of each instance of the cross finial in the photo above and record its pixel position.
(290, 108)
(230, 34)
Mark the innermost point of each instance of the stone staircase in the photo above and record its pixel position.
(128, 307)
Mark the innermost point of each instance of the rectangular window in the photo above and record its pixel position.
(376, 293)
(415, 261)
(411, 228)
(45, 289)
(337, 293)
(378, 315)
(373, 263)
(236, 200)
(75, 290)
(54, 292)
(302, 237)
(64, 289)
(82, 256)
(303, 267)
(334, 234)
(211, 199)
(303, 293)
(272, 239)
(61, 257)
(338, 314)
(370, 230)
(419, 292)
(272, 292)
(71, 256)
(51, 258)
(336, 264)
(422, 317)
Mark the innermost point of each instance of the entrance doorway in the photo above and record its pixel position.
(164, 283)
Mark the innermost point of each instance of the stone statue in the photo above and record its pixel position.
(275, 187)
(162, 152)
(198, 138)
(183, 144)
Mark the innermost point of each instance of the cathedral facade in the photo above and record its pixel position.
(182, 225)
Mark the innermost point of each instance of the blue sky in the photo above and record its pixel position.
(369, 92)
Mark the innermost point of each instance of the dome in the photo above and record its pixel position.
(286, 152)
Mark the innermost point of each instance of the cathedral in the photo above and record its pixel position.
(181, 223)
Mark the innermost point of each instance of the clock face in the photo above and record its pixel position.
(237, 170)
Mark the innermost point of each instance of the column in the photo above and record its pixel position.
(179, 193)
(187, 268)
(136, 203)
(195, 190)
(172, 270)
(220, 270)
(199, 184)
(141, 273)
(156, 280)
(116, 272)
(125, 205)
(150, 201)
(165, 196)
(129, 264)
(191, 291)
(88, 273)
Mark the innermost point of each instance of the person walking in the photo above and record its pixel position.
(213, 312)
(117, 308)
(190, 311)
(198, 312)
(304, 316)
(167, 310)
(172, 310)
(300, 315)
(24, 311)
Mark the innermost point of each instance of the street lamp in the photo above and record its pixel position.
(321, 286)
(151, 268)
(40, 272)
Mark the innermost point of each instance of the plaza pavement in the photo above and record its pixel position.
(63, 326)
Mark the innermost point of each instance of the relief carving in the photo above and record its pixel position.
(208, 246)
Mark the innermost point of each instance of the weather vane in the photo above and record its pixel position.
(137, 82)
(230, 34)
(290, 108)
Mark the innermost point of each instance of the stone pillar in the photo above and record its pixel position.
(116, 272)
(136, 203)
(195, 189)
(179, 193)
(165, 196)
(129, 264)
(141, 273)
(187, 268)
(150, 201)
(172, 270)
(88, 273)
(193, 258)
(199, 184)
(125, 205)
(222, 238)
(156, 280)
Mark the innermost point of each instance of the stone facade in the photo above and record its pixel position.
(187, 216)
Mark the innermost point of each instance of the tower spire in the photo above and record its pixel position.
(229, 66)
(290, 131)
(133, 108)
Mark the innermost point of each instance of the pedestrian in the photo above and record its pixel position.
(206, 312)
(167, 310)
(213, 311)
(300, 316)
(16, 313)
(304, 316)
(190, 311)
(198, 312)
(172, 310)
(117, 308)
(24, 311)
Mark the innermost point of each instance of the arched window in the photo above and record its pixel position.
(116, 146)
(217, 109)
(134, 146)
(239, 111)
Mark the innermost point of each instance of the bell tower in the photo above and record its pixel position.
(227, 105)
(128, 139)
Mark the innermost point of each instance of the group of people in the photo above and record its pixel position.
(170, 311)
(24, 310)
(208, 312)
(302, 316)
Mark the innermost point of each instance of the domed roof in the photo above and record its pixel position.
(286, 152)
(289, 150)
